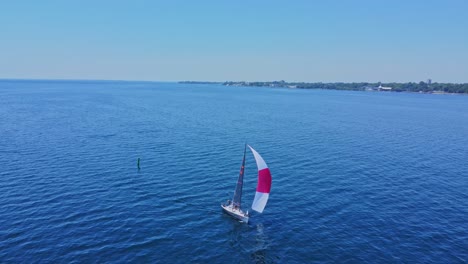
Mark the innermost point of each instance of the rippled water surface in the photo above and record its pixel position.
(358, 177)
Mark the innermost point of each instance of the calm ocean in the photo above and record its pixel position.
(358, 177)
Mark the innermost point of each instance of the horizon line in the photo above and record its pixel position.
(205, 81)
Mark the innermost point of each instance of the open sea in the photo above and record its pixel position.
(358, 177)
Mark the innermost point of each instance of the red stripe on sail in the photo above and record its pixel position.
(264, 181)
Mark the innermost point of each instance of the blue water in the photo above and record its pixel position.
(358, 177)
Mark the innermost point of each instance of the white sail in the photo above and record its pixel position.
(263, 185)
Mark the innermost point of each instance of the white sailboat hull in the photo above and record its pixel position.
(236, 213)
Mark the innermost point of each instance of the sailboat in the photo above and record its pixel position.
(262, 193)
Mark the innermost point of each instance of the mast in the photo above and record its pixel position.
(236, 200)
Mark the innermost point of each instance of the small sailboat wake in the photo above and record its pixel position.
(233, 208)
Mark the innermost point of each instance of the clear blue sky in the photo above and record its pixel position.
(347, 40)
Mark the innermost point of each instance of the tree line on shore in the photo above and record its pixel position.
(362, 86)
(423, 87)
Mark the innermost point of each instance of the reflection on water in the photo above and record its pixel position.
(261, 245)
(250, 240)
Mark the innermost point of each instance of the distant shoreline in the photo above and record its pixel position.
(421, 87)
(411, 87)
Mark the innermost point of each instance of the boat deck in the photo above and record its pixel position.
(236, 213)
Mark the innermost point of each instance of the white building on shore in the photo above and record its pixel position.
(382, 88)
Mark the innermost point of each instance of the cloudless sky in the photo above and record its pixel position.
(329, 41)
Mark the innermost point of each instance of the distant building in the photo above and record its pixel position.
(382, 88)
(429, 81)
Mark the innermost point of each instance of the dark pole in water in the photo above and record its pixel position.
(138, 163)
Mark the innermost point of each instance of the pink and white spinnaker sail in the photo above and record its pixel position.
(263, 185)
